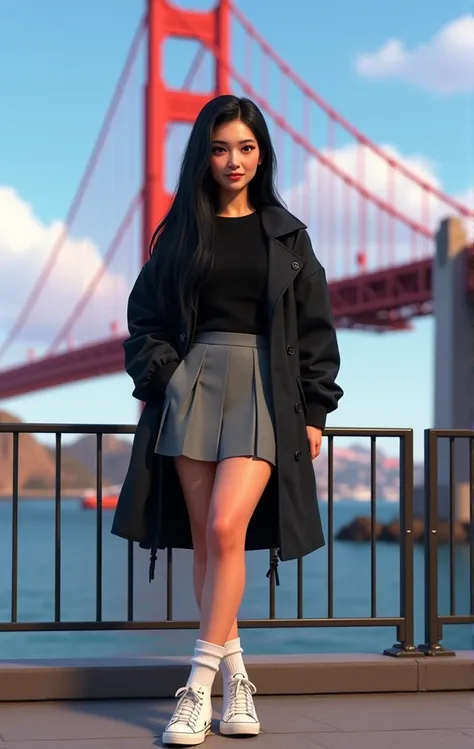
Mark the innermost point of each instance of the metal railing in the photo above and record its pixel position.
(434, 620)
(404, 622)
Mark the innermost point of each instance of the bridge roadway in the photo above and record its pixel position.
(380, 301)
(377, 301)
(382, 721)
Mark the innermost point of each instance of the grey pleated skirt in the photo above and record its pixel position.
(218, 403)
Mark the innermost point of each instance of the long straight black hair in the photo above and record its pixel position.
(182, 244)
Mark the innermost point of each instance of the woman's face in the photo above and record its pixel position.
(235, 156)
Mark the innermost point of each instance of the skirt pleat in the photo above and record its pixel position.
(218, 403)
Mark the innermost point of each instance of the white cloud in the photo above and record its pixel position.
(332, 211)
(25, 244)
(444, 64)
(335, 213)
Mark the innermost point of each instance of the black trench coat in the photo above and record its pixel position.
(304, 359)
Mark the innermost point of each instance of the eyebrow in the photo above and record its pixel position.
(241, 142)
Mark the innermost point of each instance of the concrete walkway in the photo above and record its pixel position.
(387, 721)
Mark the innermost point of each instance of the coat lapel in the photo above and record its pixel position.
(283, 264)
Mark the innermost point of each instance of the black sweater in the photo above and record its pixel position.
(157, 342)
(233, 298)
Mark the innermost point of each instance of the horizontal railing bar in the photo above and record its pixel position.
(456, 619)
(462, 433)
(39, 428)
(43, 428)
(245, 624)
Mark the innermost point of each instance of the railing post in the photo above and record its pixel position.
(433, 628)
(406, 633)
(471, 523)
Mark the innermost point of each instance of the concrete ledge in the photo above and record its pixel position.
(453, 674)
(154, 678)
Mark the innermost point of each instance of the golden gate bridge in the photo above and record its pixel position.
(372, 217)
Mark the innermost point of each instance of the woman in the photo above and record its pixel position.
(233, 349)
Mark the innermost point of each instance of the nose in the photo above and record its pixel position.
(233, 160)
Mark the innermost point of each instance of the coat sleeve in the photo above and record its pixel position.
(150, 359)
(318, 347)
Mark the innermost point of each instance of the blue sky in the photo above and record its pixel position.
(59, 63)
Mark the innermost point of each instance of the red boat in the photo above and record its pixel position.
(110, 495)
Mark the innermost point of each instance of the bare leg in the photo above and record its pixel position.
(197, 480)
(191, 719)
(238, 486)
(220, 503)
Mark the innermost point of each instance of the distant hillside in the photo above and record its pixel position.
(115, 456)
(352, 474)
(36, 466)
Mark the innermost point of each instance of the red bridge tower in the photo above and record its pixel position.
(164, 106)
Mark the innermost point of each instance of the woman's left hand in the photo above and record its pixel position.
(315, 438)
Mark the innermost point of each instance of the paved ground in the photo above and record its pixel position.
(405, 721)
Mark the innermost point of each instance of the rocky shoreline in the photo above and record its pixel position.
(360, 530)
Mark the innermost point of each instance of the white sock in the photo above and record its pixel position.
(205, 663)
(232, 662)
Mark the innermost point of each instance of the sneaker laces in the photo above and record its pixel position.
(240, 697)
(188, 708)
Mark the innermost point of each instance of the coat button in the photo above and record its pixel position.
(182, 337)
(290, 350)
(298, 455)
(295, 265)
(298, 407)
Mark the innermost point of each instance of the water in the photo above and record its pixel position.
(351, 590)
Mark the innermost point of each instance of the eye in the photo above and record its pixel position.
(250, 148)
(217, 149)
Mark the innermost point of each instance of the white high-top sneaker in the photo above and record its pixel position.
(238, 715)
(191, 720)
